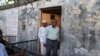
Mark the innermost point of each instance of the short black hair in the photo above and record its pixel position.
(52, 17)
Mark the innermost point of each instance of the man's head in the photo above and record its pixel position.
(54, 22)
(0, 34)
(44, 23)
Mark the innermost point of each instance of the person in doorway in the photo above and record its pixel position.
(3, 51)
(52, 38)
(42, 36)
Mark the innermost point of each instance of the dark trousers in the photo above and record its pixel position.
(51, 47)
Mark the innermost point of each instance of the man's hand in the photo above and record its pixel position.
(44, 45)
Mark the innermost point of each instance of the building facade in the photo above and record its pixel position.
(80, 27)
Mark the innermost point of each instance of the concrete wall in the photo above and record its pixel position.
(28, 22)
(2, 22)
(80, 18)
(9, 23)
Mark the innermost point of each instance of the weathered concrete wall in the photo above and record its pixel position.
(3, 22)
(9, 23)
(80, 18)
(28, 22)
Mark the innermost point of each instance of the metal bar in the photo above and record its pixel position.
(27, 51)
(22, 42)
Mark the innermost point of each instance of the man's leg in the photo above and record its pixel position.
(48, 47)
(54, 49)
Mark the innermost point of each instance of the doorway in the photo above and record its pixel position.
(52, 12)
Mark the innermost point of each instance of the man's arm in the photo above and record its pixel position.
(46, 33)
(39, 33)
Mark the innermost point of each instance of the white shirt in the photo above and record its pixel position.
(42, 34)
(2, 50)
(52, 33)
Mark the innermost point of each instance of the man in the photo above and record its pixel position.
(5, 49)
(52, 38)
(42, 36)
(2, 50)
(6, 44)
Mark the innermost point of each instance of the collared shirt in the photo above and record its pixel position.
(52, 33)
(42, 34)
(2, 50)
